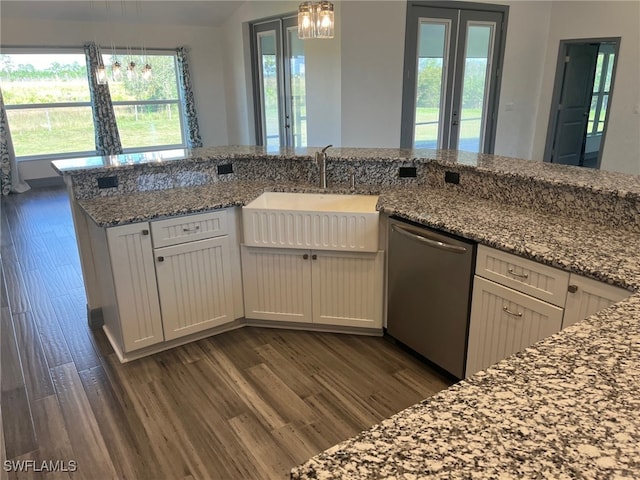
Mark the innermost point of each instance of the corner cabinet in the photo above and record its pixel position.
(313, 286)
(587, 296)
(168, 280)
(517, 302)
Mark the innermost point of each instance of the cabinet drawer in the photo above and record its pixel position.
(539, 281)
(503, 322)
(173, 231)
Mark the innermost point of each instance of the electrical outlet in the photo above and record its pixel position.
(407, 172)
(108, 182)
(225, 169)
(452, 177)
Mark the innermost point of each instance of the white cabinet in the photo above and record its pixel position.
(277, 284)
(183, 286)
(194, 284)
(586, 297)
(504, 321)
(134, 317)
(540, 281)
(347, 288)
(321, 287)
(517, 302)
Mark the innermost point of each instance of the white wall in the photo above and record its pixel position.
(588, 19)
(205, 63)
(372, 60)
(322, 63)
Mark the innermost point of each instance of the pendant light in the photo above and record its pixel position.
(315, 20)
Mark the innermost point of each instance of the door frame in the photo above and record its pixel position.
(279, 24)
(409, 75)
(557, 91)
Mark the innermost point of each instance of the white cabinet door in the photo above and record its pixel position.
(277, 284)
(134, 280)
(504, 322)
(195, 286)
(587, 296)
(347, 288)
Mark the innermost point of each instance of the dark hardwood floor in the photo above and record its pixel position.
(251, 403)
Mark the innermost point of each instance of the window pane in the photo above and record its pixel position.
(269, 88)
(603, 114)
(148, 125)
(432, 50)
(298, 94)
(130, 85)
(598, 73)
(592, 114)
(49, 131)
(474, 86)
(607, 82)
(44, 78)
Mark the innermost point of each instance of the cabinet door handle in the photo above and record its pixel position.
(161, 259)
(145, 232)
(305, 256)
(572, 288)
(314, 257)
(515, 314)
(520, 275)
(191, 229)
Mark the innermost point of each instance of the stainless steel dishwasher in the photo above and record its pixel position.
(429, 293)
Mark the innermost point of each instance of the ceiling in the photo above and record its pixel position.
(195, 13)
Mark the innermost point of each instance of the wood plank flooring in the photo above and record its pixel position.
(247, 404)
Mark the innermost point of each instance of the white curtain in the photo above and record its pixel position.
(9, 175)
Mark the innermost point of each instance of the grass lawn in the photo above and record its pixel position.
(65, 130)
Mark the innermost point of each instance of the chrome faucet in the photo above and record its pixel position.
(321, 161)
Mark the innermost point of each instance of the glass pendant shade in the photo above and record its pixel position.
(306, 21)
(146, 72)
(324, 20)
(131, 70)
(116, 71)
(101, 75)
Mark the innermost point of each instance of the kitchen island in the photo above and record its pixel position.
(563, 408)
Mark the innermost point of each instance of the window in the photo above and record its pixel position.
(279, 83)
(48, 104)
(148, 110)
(601, 89)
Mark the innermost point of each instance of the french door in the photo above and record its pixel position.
(451, 77)
(279, 83)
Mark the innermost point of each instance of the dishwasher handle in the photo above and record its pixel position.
(432, 242)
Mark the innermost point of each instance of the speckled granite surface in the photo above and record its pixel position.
(611, 199)
(568, 407)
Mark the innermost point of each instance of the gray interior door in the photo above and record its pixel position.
(575, 101)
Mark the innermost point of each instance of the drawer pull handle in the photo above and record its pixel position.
(192, 229)
(573, 288)
(305, 256)
(161, 259)
(314, 257)
(506, 309)
(520, 275)
(145, 232)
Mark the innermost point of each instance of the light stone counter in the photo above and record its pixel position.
(567, 407)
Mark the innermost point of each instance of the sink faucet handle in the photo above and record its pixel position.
(324, 150)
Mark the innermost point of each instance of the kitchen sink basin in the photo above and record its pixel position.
(317, 221)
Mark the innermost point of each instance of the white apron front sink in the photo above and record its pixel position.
(317, 221)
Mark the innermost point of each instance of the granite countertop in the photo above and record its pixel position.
(566, 407)
(592, 179)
